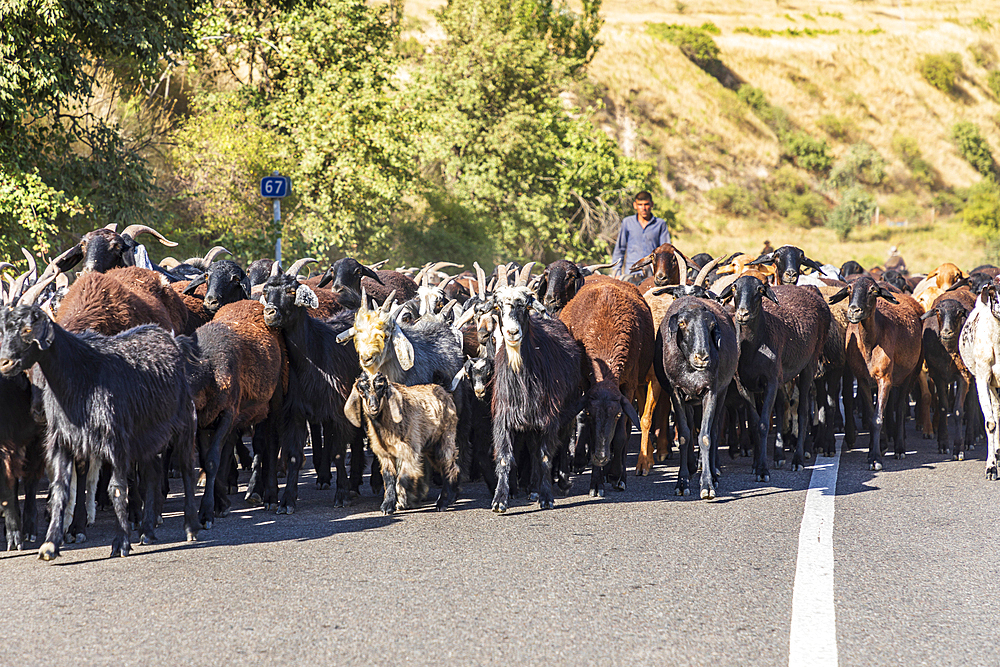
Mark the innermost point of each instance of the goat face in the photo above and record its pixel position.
(27, 331)
(978, 281)
(864, 294)
(559, 283)
(514, 303)
(697, 336)
(282, 297)
(372, 330)
(102, 250)
(991, 297)
(346, 273)
(480, 373)
(373, 390)
(951, 315)
(227, 283)
(748, 293)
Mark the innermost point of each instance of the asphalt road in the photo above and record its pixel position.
(640, 578)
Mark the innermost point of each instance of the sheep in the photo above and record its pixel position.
(788, 262)
(942, 325)
(121, 398)
(104, 249)
(884, 348)
(777, 343)
(695, 357)
(614, 326)
(320, 377)
(237, 385)
(403, 424)
(536, 386)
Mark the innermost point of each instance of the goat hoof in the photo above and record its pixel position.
(707, 494)
(597, 493)
(619, 485)
(69, 538)
(79, 537)
(253, 499)
(223, 513)
(147, 538)
(900, 455)
(270, 507)
(322, 486)
(14, 541)
(120, 547)
(287, 509)
(48, 551)
(31, 538)
(499, 508)
(797, 467)
(533, 496)
(159, 520)
(763, 477)
(960, 456)
(876, 466)
(779, 463)
(546, 504)
(207, 525)
(807, 455)
(991, 473)
(192, 536)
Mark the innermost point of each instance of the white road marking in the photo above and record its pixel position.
(813, 640)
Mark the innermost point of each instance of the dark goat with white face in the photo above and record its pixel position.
(788, 261)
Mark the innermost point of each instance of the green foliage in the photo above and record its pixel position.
(982, 23)
(809, 153)
(941, 70)
(733, 198)
(903, 205)
(838, 127)
(982, 208)
(29, 212)
(861, 164)
(909, 152)
(983, 54)
(757, 31)
(788, 193)
(695, 43)
(993, 81)
(856, 207)
(774, 117)
(498, 147)
(711, 28)
(973, 147)
(836, 15)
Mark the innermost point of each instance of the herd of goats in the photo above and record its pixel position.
(135, 372)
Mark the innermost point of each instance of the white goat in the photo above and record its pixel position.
(979, 346)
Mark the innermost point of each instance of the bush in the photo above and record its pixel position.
(973, 147)
(982, 209)
(837, 127)
(983, 54)
(941, 70)
(788, 194)
(993, 81)
(809, 153)
(695, 43)
(861, 163)
(909, 152)
(775, 118)
(982, 23)
(855, 208)
(733, 198)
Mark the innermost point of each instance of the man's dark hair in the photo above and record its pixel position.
(644, 196)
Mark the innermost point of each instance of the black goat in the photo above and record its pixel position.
(536, 388)
(349, 273)
(121, 398)
(560, 282)
(787, 261)
(321, 375)
(778, 343)
(695, 357)
(227, 283)
(104, 249)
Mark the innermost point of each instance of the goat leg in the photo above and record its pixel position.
(61, 463)
(875, 443)
(150, 476)
(683, 444)
(77, 530)
(321, 454)
(504, 455)
(121, 544)
(708, 443)
(292, 444)
(542, 468)
(805, 380)
(11, 515)
(615, 470)
(389, 480)
(645, 462)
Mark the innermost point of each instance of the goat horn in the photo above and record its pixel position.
(593, 268)
(35, 290)
(522, 277)
(345, 336)
(441, 265)
(364, 300)
(378, 265)
(275, 269)
(448, 306)
(62, 280)
(32, 266)
(465, 318)
(113, 227)
(387, 304)
(480, 281)
(135, 230)
(421, 273)
(707, 269)
(294, 269)
(213, 253)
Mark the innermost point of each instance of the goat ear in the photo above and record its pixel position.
(672, 325)
(245, 284)
(630, 412)
(717, 336)
(727, 293)
(769, 293)
(839, 296)
(887, 295)
(395, 402)
(196, 283)
(812, 264)
(403, 348)
(766, 258)
(352, 409)
(44, 332)
(929, 314)
(542, 286)
(458, 378)
(580, 282)
(304, 296)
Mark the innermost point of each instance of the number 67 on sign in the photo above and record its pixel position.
(274, 187)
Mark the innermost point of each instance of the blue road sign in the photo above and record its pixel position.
(275, 187)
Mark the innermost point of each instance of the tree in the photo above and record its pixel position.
(65, 67)
(855, 207)
(499, 145)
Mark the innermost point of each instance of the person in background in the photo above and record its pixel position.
(895, 262)
(639, 236)
(767, 247)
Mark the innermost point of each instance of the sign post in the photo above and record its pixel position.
(275, 187)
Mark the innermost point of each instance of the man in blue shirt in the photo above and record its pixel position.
(639, 236)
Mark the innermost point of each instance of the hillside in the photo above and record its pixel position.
(855, 79)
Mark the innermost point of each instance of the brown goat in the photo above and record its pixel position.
(615, 326)
(104, 303)
(883, 349)
(667, 268)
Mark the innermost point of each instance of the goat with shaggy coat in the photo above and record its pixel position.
(404, 424)
(883, 349)
(980, 349)
(613, 323)
(942, 325)
(536, 386)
